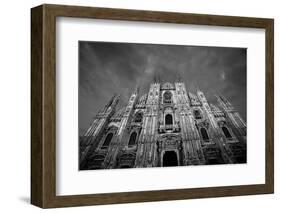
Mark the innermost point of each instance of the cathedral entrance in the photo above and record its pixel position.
(170, 158)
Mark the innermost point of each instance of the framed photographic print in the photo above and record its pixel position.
(136, 106)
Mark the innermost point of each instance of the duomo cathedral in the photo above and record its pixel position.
(168, 126)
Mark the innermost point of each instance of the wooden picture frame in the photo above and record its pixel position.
(43, 105)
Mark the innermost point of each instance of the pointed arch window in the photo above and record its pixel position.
(197, 114)
(226, 132)
(133, 139)
(204, 134)
(168, 119)
(138, 117)
(107, 140)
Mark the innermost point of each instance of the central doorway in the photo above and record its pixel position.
(170, 158)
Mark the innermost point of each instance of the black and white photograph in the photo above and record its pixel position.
(161, 105)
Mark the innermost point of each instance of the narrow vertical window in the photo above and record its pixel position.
(204, 134)
(107, 140)
(226, 132)
(133, 139)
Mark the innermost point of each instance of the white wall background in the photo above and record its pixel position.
(15, 105)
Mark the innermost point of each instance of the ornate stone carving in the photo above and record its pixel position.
(179, 135)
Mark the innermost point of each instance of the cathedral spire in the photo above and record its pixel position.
(151, 123)
(179, 79)
(112, 102)
(194, 87)
(156, 78)
(137, 89)
(223, 102)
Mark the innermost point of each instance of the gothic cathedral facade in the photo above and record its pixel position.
(168, 126)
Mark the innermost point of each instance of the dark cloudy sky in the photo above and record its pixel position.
(106, 68)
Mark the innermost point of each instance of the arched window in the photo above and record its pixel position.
(167, 97)
(168, 119)
(204, 134)
(226, 132)
(107, 140)
(197, 114)
(133, 139)
(138, 117)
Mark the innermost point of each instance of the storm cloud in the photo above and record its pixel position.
(107, 68)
